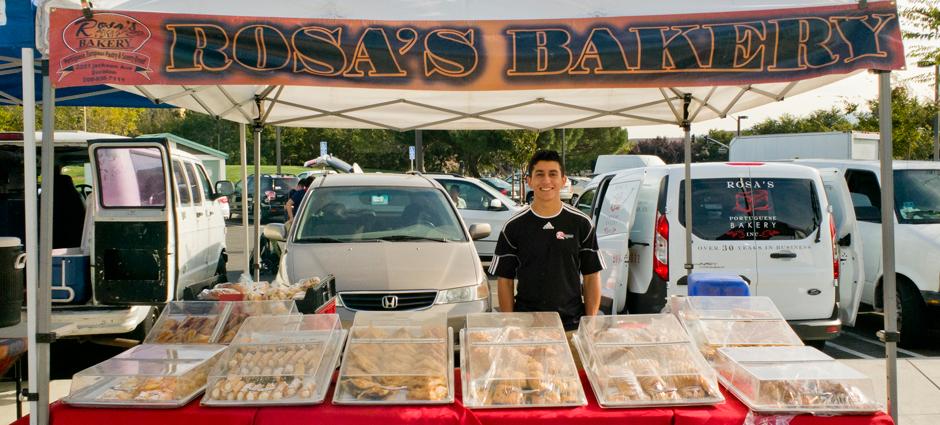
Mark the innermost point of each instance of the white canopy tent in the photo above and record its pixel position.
(259, 101)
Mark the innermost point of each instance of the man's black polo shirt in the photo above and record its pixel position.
(547, 255)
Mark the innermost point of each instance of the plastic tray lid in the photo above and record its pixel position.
(647, 360)
(745, 332)
(631, 329)
(242, 310)
(207, 316)
(774, 354)
(171, 352)
(399, 326)
(532, 320)
(294, 328)
(729, 308)
(514, 328)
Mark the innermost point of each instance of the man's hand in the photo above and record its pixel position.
(506, 290)
(591, 290)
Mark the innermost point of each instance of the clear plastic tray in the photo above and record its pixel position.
(794, 380)
(715, 322)
(150, 376)
(517, 360)
(277, 360)
(189, 322)
(241, 310)
(644, 361)
(397, 358)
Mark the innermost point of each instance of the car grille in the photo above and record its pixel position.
(373, 301)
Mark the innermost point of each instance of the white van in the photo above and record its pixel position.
(153, 230)
(769, 223)
(916, 232)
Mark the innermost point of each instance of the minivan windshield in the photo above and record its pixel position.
(917, 196)
(752, 209)
(375, 213)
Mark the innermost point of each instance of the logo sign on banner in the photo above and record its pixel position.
(730, 48)
(323, 150)
(411, 153)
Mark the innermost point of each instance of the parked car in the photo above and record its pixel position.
(393, 242)
(499, 184)
(479, 204)
(769, 223)
(916, 232)
(314, 173)
(578, 184)
(274, 191)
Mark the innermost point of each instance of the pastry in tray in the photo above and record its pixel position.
(660, 388)
(401, 371)
(244, 310)
(812, 393)
(153, 389)
(268, 372)
(523, 375)
(521, 391)
(186, 329)
(398, 332)
(251, 388)
(410, 388)
(515, 334)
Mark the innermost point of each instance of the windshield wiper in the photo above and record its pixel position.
(321, 239)
(396, 238)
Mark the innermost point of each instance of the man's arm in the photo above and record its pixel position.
(591, 289)
(289, 206)
(505, 289)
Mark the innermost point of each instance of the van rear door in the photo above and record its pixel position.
(851, 270)
(133, 261)
(792, 239)
(614, 217)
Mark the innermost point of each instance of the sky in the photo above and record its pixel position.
(855, 89)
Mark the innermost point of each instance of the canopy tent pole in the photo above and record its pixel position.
(44, 294)
(257, 202)
(243, 150)
(419, 151)
(890, 335)
(277, 148)
(40, 415)
(687, 127)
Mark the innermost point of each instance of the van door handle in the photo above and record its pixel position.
(198, 213)
(783, 254)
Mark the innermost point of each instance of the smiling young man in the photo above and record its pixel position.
(548, 247)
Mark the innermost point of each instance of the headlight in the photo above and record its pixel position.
(464, 294)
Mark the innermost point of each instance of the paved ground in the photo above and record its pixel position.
(919, 370)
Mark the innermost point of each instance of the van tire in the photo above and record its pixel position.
(912, 314)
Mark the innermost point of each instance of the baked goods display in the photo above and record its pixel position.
(715, 322)
(239, 311)
(258, 291)
(642, 361)
(188, 322)
(518, 360)
(397, 358)
(277, 360)
(794, 380)
(145, 376)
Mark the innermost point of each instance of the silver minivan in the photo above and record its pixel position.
(393, 242)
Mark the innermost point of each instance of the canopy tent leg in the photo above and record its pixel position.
(687, 127)
(40, 415)
(44, 294)
(890, 334)
(243, 151)
(257, 203)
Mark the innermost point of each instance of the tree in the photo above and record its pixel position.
(923, 25)
(820, 120)
(911, 120)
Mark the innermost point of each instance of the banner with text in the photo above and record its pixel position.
(137, 48)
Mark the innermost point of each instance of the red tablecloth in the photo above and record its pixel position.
(732, 412)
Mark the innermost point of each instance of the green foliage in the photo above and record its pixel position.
(922, 24)
(821, 120)
(912, 119)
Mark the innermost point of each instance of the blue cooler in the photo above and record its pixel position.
(71, 283)
(715, 284)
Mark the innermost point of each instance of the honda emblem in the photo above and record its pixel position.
(389, 302)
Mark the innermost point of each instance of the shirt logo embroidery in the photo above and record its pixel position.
(548, 226)
(563, 236)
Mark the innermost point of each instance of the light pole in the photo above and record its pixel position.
(739, 118)
(936, 104)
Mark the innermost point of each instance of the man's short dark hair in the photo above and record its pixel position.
(545, 155)
(307, 181)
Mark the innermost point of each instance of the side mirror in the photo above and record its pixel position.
(224, 187)
(478, 231)
(275, 232)
(496, 204)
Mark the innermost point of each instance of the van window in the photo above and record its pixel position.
(647, 203)
(472, 196)
(193, 184)
(615, 217)
(182, 186)
(917, 196)
(206, 186)
(586, 201)
(752, 209)
(131, 177)
(866, 194)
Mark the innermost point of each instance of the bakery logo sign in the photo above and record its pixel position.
(104, 48)
(752, 203)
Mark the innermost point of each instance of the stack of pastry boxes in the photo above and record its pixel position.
(517, 360)
(397, 358)
(277, 360)
(644, 361)
(215, 322)
(715, 322)
(794, 380)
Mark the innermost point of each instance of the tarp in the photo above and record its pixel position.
(445, 64)
(18, 31)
